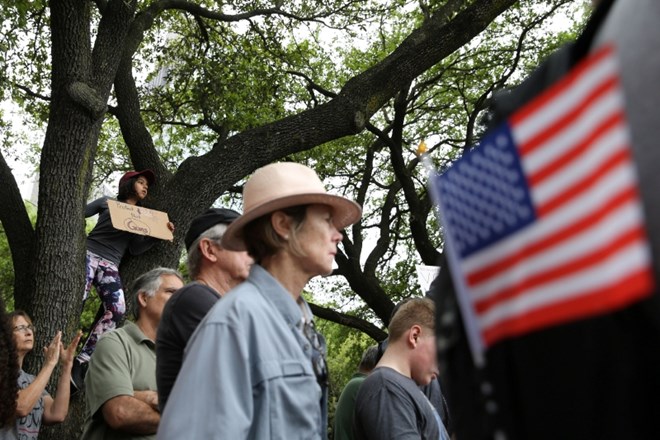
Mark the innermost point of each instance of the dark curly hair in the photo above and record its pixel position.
(8, 369)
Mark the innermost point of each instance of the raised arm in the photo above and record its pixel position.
(28, 396)
(55, 410)
(96, 206)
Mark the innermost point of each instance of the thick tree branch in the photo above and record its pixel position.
(112, 31)
(367, 286)
(87, 98)
(17, 227)
(350, 321)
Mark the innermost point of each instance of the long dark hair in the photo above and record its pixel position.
(126, 190)
(8, 369)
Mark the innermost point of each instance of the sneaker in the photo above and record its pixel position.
(78, 372)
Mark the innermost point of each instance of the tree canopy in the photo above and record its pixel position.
(205, 92)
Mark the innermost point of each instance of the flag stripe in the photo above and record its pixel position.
(566, 139)
(623, 293)
(633, 258)
(561, 225)
(599, 97)
(563, 179)
(552, 104)
(606, 130)
(520, 285)
(619, 160)
(620, 212)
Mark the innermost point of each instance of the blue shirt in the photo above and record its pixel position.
(247, 371)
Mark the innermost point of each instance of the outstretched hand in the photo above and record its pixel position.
(68, 353)
(52, 351)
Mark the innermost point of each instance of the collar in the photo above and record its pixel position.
(276, 294)
(134, 332)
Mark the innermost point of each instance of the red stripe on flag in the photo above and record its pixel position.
(582, 147)
(624, 196)
(549, 131)
(587, 182)
(567, 268)
(559, 88)
(628, 290)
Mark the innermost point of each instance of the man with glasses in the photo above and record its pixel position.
(215, 271)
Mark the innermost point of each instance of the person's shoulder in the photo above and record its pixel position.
(101, 201)
(384, 378)
(114, 337)
(236, 306)
(373, 382)
(244, 294)
(192, 293)
(357, 378)
(379, 374)
(354, 384)
(119, 333)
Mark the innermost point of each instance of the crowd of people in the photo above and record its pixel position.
(235, 352)
(189, 363)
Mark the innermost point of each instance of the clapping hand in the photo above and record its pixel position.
(52, 350)
(68, 353)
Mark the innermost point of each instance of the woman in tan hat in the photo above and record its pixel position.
(253, 368)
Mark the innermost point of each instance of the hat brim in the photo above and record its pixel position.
(149, 175)
(345, 212)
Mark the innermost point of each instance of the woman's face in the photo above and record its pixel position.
(141, 187)
(23, 334)
(318, 240)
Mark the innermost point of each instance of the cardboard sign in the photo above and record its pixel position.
(139, 220)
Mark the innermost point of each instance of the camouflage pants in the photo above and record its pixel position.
(104, 276)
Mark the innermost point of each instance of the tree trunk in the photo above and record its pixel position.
(81, 82)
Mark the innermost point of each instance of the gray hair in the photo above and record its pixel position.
(214, 233)
(149, 283)
(369, 359)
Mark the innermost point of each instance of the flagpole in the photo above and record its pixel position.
(471, 328)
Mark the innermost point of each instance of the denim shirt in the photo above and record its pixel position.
(247, 371)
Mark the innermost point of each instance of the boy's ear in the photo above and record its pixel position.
(413, 334)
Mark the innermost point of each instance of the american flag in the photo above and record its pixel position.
(543, 220)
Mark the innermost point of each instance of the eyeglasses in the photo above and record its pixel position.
(24, 328)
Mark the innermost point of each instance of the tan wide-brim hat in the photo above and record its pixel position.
(283, 185)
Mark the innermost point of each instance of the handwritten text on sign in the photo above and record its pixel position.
(139, 220)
